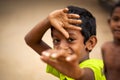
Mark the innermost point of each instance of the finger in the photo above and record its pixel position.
(54, 54)
(46, 56)
(71, 58)
(51, 53)
(65, 10)
(48, 60)
(73, 16)
(60, 55)
(74, 27)
(59, 27)
(74, 21)
(64, 32)
(45, 53)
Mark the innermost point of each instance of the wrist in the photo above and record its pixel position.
(79, 74)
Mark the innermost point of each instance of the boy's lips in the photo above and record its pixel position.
(117, 31)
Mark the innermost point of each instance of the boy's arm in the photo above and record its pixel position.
(103, 48)
(34, 37)
(59, 19)
(69, 67)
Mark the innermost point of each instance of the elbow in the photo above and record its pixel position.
(30, 41)
(27, 40)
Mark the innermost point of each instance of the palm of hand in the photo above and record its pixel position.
(60, 19)
(68, 67)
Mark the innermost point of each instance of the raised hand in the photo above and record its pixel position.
(60, 19)
(63, 61)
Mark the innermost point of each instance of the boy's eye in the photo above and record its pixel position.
(70, 39)
(115, 19)
(56, 41)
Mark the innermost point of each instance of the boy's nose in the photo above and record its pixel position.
(64, 45)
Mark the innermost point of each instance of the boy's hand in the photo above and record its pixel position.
(63, 61)
(60, 19)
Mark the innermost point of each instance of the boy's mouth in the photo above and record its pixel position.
(117, 31)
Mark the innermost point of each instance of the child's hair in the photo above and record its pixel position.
(115, 6)
(88, 21)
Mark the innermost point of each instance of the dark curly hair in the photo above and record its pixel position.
(88, 21)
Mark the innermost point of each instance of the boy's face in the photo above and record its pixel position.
(73, 45)
(115, 23)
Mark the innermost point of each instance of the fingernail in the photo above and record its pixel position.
(67, 35)
(54, 55)
(68, 58)
(45, 54)
(77, 15)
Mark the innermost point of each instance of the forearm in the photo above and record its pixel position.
(34, 37)
(85, 74)
(59, 19)
(79, 74)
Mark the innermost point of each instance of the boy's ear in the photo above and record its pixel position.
(90, 44)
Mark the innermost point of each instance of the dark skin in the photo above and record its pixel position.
(67, 53)
(111, 50)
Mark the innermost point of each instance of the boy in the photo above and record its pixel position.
(111, 50)
(69, 59)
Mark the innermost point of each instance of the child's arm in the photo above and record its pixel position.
(103, 51)
(67, 64)
(59, 19)
(34, 37)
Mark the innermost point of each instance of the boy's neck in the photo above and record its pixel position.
(84, 58)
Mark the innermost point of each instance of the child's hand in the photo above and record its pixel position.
(60, 19)
(64, 61)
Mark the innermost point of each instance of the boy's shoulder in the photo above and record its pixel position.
(96, 65)
(107, 45)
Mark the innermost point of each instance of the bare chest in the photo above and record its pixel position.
(112, 58)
